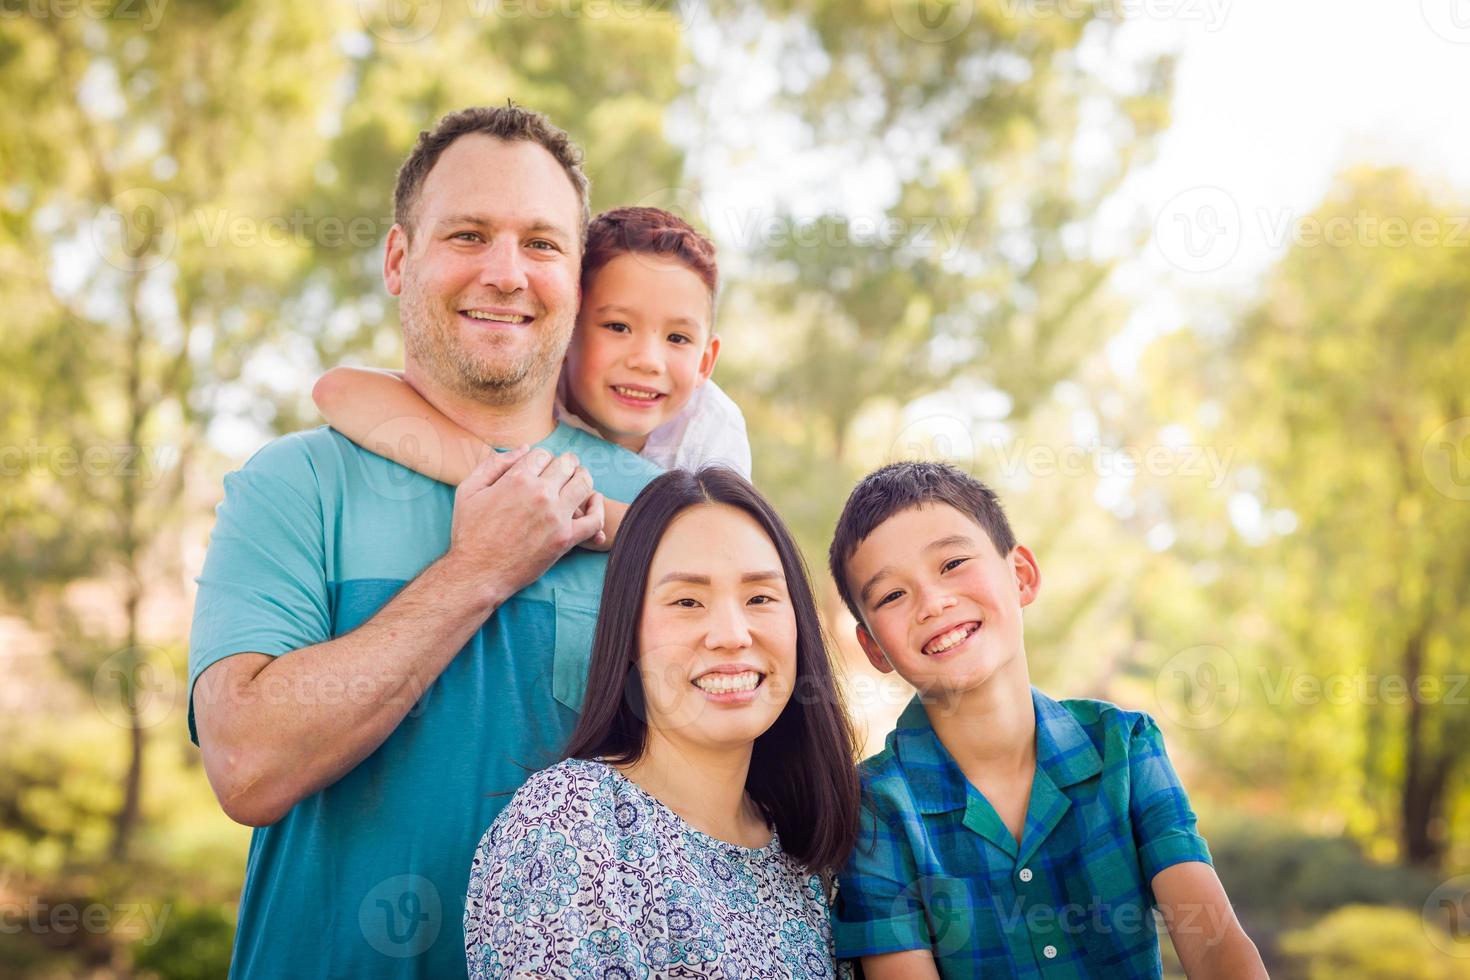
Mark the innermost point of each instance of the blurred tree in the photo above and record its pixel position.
(1346, 578)
(954, 154)
(191, 223)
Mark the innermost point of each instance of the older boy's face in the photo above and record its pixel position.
(938, 603)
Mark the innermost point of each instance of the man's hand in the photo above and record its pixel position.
(520, 511)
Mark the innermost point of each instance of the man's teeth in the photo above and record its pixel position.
(727, 683)
(953, 638)
(497, 317)
(647, 396)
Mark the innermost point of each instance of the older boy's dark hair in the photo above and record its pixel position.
(899, 486)
(508, 122)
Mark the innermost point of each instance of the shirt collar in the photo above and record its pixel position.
(1064, 754)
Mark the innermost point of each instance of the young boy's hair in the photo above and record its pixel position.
(648, 231)
(899, 486)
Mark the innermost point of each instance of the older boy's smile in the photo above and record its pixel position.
(950, 638)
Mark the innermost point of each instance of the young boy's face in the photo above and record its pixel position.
(939, 604)
(642, 346)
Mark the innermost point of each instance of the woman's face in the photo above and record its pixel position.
(717, 638)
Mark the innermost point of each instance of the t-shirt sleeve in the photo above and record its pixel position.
(1163, 823)
(263, 588)
(878, 907)
(532, 907)
(715, 435)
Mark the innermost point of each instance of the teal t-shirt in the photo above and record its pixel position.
(368, 877)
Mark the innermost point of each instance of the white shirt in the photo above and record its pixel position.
(709, 429)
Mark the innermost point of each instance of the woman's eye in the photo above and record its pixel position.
(686, 603)
(762, 600)
(954, 563)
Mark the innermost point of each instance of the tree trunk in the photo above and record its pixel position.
(1423, 788)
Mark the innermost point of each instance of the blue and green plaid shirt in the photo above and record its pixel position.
(935, 867)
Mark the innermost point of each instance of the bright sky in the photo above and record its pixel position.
(1273, 99)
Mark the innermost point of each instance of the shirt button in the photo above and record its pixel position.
(1026, 874)
(1050, 952)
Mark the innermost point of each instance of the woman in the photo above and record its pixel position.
(708, 788)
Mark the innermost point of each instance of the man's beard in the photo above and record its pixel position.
(431, 336)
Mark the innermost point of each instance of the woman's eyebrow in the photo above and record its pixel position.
(693, 578)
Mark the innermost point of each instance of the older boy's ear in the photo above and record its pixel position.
(393, 259)
(875, 653)
(1028, 573)
(708, 358)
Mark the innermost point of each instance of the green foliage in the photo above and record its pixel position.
(1278, 875)
(195, 945)
(1367, 942)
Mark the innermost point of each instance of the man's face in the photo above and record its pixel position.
(938, 603)
(488, 278)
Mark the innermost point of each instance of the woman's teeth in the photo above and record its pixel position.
(728, 683)
(636, 393)
(953, 638)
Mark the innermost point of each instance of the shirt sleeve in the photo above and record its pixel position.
(1163, 823)
(533, 905)
(263, 588)
(878, 907)
(715, 434)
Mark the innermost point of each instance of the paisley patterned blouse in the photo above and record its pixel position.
(584, 874)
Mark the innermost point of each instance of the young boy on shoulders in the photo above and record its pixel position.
(1003, 833)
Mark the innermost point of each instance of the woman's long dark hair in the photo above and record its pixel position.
(802, 768)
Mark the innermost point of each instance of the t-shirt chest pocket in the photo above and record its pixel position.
(576, 624)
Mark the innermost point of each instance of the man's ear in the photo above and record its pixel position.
(1028, 573)
(708, 358)
(876, 657)
(393, 255)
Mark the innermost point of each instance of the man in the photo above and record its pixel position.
(377, 660)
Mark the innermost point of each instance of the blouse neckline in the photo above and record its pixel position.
(768, 849)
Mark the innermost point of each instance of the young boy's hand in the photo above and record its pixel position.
(602, 540)
(613, 511)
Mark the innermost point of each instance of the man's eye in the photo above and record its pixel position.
(469, 236)
(544, 245)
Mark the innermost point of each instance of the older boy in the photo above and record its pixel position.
(1004, 833)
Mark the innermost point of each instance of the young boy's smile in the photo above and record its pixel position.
(939, 604)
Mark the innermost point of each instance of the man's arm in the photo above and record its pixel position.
(275, 730)
(1206, 934)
